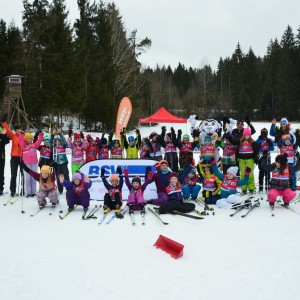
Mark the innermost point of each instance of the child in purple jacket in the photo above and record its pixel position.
(77, 190)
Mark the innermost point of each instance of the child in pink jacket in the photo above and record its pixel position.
(30, 158)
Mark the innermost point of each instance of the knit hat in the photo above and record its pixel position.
(28, 136)
(207, 139)
(57, 137)
(77, 136)
(186, 136)
(264, 131)
(17, 126)
(169, 134)
(104, 141)
(240, 121)
(247, 131)
(89, 137)
(114, 177)
(46, 169)
(46, 139)
(193, 171)
(174, 174)
(131, 138)
(153, 134)
(136, 179)
(233, 170)
(116, 140)
(284, 121)
(282, 159)
(76, 176)
(163, 162)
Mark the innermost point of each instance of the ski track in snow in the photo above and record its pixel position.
(43, 257)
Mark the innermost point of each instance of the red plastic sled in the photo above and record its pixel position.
(172, 247)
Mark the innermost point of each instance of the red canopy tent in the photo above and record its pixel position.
(162, 116)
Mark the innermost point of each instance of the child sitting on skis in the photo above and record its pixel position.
(136, 199)
(175, 197)
(211, 184)
(229, 183)
(47, 185)
(77, 190)
(113, 198)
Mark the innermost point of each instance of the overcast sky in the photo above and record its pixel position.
(194, 32)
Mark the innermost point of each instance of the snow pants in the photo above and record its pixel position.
(137, 199)
(227, 202)
(79, 199)
(52, 195)
(172, 205)
(30, 181)
(192, 191)
(161, 198)
(287, 195)
(243, 164)
(14, 165)
(112, 202)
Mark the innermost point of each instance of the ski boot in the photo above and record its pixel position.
(251, 192)
(105, 209)
(286, 205)
(118, 213)
(70, 208)
(131, 208)
(271, 205)
(142, 206)
(244, 192)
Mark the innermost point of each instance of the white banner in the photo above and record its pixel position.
(136, 167)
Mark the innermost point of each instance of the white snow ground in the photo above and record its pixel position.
(43, 257)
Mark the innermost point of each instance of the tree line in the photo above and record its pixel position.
(85, 68)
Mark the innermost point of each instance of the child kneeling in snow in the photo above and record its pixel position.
(229, 183)
(280, 181)
(46, 180)
(175, 198)
(136, 199)
(77, 190)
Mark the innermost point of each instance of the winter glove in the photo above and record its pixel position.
(4, 118)
(225, 120)
(213, 161)
(102, 172)
(126, 172)
(179, 133)
(137, 132)
(172, 131)
(119, 170)
(81, 135)
(70, 132)
(195, 133)
(150, 175)
(247, 120)
(111, 134)
(124, 130)
(163, 129)
(219, 132)
(247, 171)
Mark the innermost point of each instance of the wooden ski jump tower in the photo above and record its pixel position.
(13, 104)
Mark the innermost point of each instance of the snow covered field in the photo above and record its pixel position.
(43, 257)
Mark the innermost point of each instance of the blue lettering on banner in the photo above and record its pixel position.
(137, 170)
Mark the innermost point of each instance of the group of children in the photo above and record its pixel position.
(177, 179)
